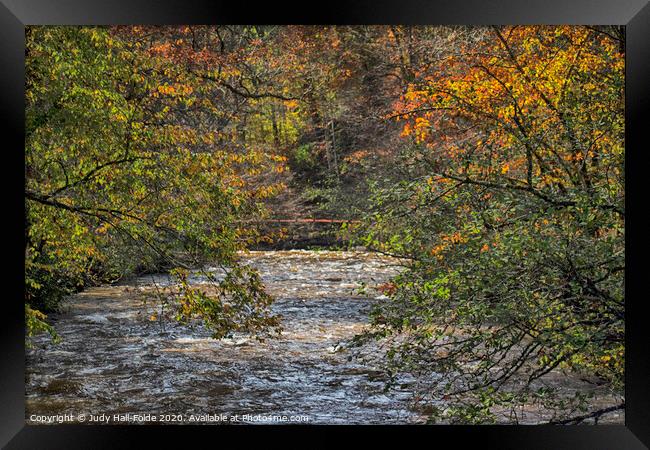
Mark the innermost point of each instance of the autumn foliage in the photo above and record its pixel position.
(514, 217)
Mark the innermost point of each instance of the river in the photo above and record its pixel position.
(114, 360)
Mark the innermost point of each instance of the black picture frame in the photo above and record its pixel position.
(16, 14)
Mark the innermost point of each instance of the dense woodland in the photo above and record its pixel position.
(491, 159)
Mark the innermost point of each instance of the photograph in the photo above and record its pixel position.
(324, 224)
(413, 221)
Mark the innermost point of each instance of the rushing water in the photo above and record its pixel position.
(114, 360)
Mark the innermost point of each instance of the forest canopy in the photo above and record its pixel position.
(490, 159)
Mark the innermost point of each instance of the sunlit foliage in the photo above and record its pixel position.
(514, 220)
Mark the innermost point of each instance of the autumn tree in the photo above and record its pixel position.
(513, 218)
(127, 169)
